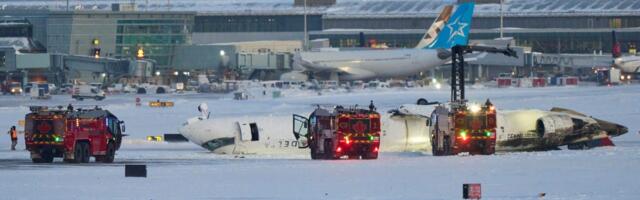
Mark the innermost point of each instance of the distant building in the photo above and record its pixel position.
(314, 2)
(576, 26)
(169, 32)
(119, 34)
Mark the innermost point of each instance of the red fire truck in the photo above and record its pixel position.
(74, 135)
(463, 128)
(340, 132)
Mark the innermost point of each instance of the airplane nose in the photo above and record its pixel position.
(622, 129)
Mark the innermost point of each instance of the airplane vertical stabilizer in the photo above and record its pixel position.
(456, 30)
(436, 27)
(615, 51)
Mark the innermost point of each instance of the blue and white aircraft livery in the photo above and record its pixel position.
(447, 31)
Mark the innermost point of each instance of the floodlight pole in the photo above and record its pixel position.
(501, 19)
(306, 34)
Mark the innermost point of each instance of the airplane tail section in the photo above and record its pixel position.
(615, 51)
(455, 30)
(436, 27)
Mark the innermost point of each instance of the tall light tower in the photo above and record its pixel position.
(306, 39)
(306, 34)
(501, 19)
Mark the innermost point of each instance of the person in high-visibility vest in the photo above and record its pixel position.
(14, 137)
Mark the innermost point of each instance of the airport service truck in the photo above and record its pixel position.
(340, 132)
(463, 127)
(81, 92)
(610, 76)
(74, 135)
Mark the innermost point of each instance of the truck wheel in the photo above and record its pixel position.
(78, 152)
(490, 151)
(434, 148)
(447, 146)
(487, 150)
(111, 153)
(328, 150)
(314, 154)
(422, 101)
(37, 160)
(86, 154)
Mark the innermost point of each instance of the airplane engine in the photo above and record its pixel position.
(554, 128)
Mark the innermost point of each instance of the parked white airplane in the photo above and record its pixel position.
(447, 31)
(405, 130)
(627, 64)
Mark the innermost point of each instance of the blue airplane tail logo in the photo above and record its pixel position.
(456, 30)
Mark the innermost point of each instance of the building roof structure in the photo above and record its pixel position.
(348, 8)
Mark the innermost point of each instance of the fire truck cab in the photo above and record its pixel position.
(463, 127)
(74, 135)
(339, 132)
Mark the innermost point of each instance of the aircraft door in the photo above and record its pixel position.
(249, 132)
(301, 130)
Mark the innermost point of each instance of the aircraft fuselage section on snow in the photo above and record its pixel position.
(405, 130)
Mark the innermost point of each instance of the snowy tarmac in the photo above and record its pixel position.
(187, 171)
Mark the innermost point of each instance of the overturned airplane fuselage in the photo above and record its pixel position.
(405, 130)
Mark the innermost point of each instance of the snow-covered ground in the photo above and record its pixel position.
(186, 171)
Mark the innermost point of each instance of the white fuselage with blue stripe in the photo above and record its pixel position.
(371, 64)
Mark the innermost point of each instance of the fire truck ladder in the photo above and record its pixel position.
(457, 66)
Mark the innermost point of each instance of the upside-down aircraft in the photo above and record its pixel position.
(406, 130)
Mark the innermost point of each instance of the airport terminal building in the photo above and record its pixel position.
(572, 26)
(169, 32)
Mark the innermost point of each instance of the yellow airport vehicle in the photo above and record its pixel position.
(156, 138)
(161, 103)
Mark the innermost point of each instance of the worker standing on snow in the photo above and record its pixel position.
(14, 137)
